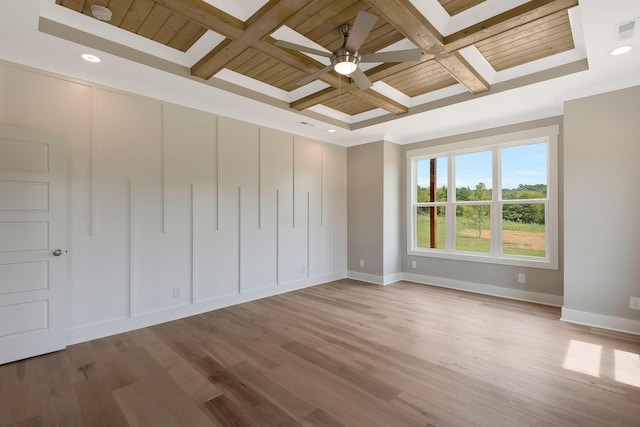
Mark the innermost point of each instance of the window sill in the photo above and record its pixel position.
(543, 263)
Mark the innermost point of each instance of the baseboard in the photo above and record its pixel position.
(117, 326)
(612, 323)
(392, 278)
(481, 288)
(372, 278)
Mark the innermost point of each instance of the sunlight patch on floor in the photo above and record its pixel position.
(627, 367)
(583, 357)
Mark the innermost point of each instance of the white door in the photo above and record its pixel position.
(32, 243)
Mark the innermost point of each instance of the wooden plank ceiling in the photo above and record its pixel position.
(534, 30)
(453, 7)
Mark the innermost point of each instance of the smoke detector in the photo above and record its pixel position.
(101, 13)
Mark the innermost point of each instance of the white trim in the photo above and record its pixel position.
(117, 326)
(514, 138)
(365, 277)
(481, 288)
(375, 279)
(392, 278)
(612, 323)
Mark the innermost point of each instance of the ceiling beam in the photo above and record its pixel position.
(232, 28)
(508, 20)
(256, 33)
(415, 27)
(461, 70)
(265, 21)
(381, 101)
(375, 74)
(369, 95)
(315, 98)
(308, 65)
(297, 60)
(204, 14)
(444, 49)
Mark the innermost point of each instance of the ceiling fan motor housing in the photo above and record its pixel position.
(343, 60)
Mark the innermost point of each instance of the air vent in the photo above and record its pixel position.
(626, 30)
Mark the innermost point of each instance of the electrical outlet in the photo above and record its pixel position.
(414, 264)
(362, 263)
(304, 269)
(177, 292)
(634, 303)
(521, 278)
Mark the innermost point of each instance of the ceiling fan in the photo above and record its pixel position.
(345, 60)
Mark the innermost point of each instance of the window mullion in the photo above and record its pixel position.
(496, 207)
(451, 209)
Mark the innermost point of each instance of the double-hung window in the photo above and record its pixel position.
(490, 200)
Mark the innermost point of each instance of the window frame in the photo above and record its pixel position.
(495, 144)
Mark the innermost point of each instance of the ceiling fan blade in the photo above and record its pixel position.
(361, 28)
(299, 47)
(361, 79)
(314, 76)
(393, 56)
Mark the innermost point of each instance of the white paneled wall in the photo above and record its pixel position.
(163, 197)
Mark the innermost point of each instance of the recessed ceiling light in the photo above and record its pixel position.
(90, 58)
(331, 130)
(620, 50)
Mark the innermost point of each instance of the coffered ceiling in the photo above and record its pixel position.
(531, 31)
(473, 52)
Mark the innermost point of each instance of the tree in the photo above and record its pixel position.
(477, 214)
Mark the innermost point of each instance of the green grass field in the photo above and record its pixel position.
(528, 235)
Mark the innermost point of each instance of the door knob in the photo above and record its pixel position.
(57, 252)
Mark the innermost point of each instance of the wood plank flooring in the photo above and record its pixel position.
(340, 354)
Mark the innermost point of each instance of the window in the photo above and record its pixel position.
(487, 200)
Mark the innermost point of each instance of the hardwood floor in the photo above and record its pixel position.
(340, 354)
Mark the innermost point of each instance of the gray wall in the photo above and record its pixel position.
(365, 195)
(537, 280)
(602, 206)
(392, 208)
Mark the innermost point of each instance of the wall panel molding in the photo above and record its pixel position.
(132, 248)
(259, 178)
(277, 237)
(194, 246)
(308, 234)
(2, 93)
(240, 225)
(154, 187)
(321, 185)
(293, 178)
(93, 177)
(163, 147)
(333, 231)
(217, 196)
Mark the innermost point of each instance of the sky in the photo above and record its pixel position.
(522, 164)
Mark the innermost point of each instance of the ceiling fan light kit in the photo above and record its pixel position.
(345, 62)
(346, 59)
